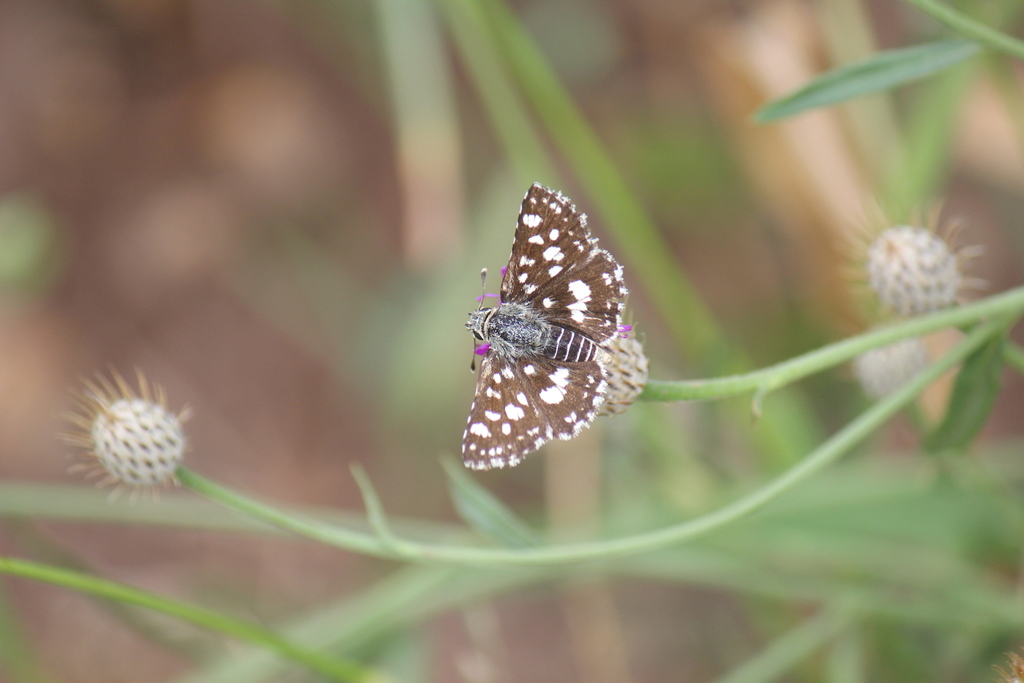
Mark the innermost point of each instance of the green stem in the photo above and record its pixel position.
(1014, 357)
(17, 657)
(634, 232)
(786, 652)
(505, 108)
(971, 28)
(771, 378)
(335, 669)
(824, 455)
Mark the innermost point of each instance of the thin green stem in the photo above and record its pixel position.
(827, 453)
(335, 669)
(505, 108)
(1014, 357)
(971, 28)
(636, 237)
(17, 657)
(771, 378)
(787, 651)
(329, 534)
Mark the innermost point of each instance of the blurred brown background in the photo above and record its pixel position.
(278, 215)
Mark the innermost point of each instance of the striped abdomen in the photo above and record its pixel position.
(570, 346)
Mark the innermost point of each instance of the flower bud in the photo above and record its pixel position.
(132, 438)
(883, 370)
(626, 367)
(913, 270)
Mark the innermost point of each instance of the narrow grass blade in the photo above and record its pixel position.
(485, 513)
(882, 71)
(974, 393)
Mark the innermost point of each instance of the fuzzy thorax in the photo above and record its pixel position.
(512, 330)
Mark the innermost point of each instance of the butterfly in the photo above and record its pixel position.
(543, 375)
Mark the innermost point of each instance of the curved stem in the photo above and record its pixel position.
(1014, 357)
(771, 378)
(970, 28)
(827, 453)
(334, 669)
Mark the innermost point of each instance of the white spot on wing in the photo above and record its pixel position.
(553, 253)
(514, 412)
(531, 220)
(524, 276)
(552, 394)
(560, 377)
(491, 415)
(506, 429)
(536, 239)
(529, 369)
(548, 301)
(554, 270)
(553, 235)
(529, 289)
(480, 429)
(580, 290)
(521, 397)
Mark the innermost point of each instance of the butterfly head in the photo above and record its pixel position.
(477, 322)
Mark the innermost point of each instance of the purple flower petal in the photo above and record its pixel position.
(482, 349)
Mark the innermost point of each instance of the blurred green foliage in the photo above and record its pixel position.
(900, 564)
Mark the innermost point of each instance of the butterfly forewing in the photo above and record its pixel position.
(519, 407)
(557, 266)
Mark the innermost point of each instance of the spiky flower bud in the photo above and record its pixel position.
(883, 370)
(913, 270)
(626, 367)
(1015, 674)
(131, 437)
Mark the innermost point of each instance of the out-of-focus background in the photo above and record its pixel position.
(278, 211)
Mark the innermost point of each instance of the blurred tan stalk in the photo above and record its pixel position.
(573, 480)
(429, 154)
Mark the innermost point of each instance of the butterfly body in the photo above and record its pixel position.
(542, 376)
(516, 331)
(512, 330)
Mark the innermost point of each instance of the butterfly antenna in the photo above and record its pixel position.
(483, 287)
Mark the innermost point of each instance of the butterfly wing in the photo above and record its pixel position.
(557, 267)
(519, 407)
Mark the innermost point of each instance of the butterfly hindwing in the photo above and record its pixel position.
(519, 407)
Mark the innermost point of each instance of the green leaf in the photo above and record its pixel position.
(882, 71)
(975, 391)
(485, 513)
